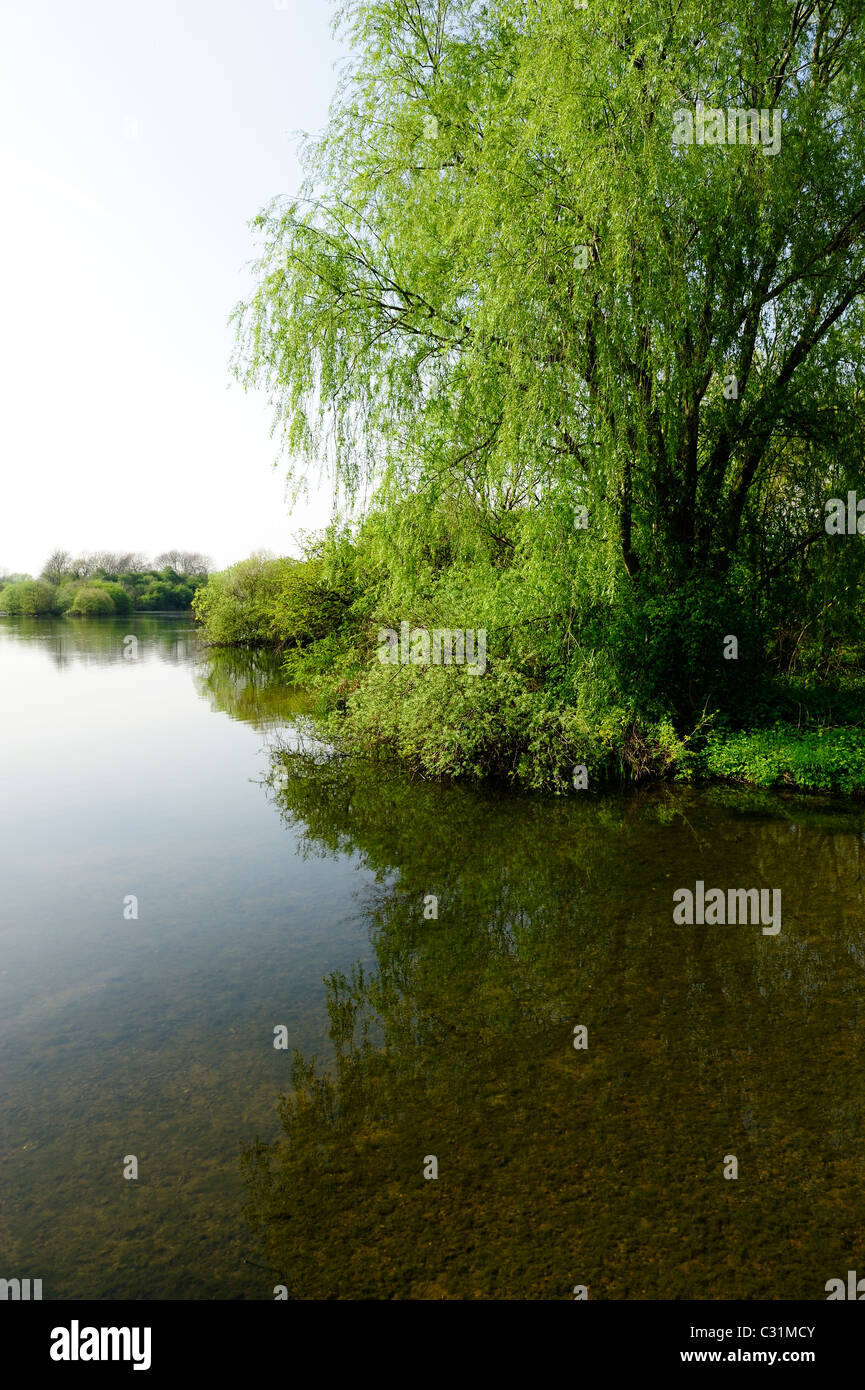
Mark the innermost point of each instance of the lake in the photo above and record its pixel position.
(187, 880)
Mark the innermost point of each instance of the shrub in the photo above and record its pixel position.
(308, 607)
(91, 601)
(164, 595)
(237, 605)
(119, 597)
(817, 759)
(30, 597)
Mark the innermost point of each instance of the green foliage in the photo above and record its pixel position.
(421, 309)
(264, 601)
(164, 594)
(92, 598)
(127, 578)
(29, 597)
(120, 598)
(91, 601)
(667, 647)
(546, 440)
(66, 596)
(829, 759)
(237, 605)
(307, 606)
(442, 721)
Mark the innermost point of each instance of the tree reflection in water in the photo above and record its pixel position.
(559, 1167)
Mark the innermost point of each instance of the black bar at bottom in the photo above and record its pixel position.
(298, 1337)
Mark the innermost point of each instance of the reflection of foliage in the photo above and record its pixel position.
(817, 812)
(75, 640)
(248, 686)
(556, 1166)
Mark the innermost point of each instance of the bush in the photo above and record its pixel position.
(30, 597)
(66, 596)
(91, 601)
(818, 760)
(667, 649)
(164, 596)
(308, 607)
(121, 600)
(93, 598)
(237, 605)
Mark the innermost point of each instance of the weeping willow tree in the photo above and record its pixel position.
(590, 272)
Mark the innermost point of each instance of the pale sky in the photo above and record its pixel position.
(137, 139)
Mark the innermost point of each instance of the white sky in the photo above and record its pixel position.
(137, 139)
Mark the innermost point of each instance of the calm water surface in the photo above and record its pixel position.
(284, 888)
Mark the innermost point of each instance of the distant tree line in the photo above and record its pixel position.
(106, 583)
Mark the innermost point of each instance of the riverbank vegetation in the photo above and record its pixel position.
(585, 387)
(106, 584)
